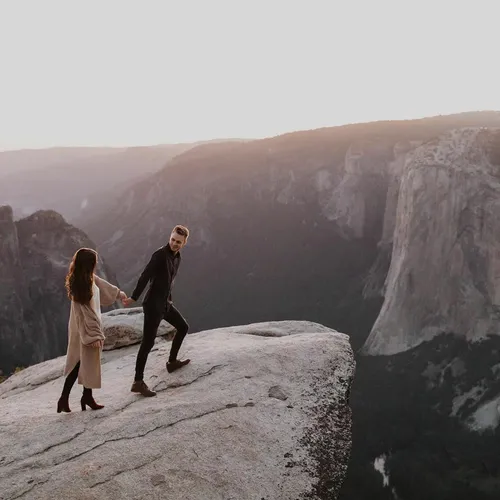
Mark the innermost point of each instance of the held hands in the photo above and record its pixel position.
(126, 301)
(97, 343)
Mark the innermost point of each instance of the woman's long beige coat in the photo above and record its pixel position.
(84, 328)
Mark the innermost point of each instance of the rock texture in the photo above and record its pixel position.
(444, 274)
(35, 253)
(262, 412)
(123, 327)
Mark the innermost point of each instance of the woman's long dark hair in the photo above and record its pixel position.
(80, 277)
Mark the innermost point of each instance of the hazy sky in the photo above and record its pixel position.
(145, 72)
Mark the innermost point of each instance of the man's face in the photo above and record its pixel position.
(177, 241)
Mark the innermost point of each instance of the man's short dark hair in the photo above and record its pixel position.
(182, 230)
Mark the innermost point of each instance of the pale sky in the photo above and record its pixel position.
(104, 73)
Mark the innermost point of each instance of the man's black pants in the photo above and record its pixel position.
(151, 323)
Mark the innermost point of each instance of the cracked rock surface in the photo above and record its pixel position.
(212, 431)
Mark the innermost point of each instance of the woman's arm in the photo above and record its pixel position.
(109, 293)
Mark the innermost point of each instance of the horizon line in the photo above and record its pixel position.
(222, 139)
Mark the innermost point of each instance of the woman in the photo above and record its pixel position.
(87, 293)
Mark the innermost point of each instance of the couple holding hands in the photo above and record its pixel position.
(88, 292)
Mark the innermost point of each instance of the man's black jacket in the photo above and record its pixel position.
(160, 271)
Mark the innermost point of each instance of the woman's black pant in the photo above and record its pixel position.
(70, 382)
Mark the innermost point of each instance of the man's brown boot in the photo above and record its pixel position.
(175, 365)
(141, 387)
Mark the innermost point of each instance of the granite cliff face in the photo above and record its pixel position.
(35, 253)
(374, 285)
(430, 364)
(357, 201)
(444, 274)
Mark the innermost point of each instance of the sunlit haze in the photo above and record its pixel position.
(136, 73)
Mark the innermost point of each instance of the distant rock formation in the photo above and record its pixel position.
(35, 253)
(261, 412)
(359, 198)
(444, 274)
(77, 182)
(375, 280)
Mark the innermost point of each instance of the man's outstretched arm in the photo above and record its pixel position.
(146, 275)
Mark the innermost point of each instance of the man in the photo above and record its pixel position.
(157, 305)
